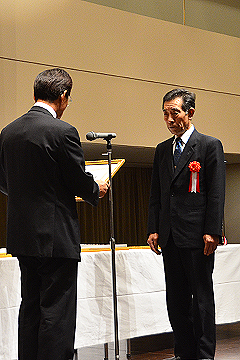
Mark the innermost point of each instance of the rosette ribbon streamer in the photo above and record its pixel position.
(194, 167)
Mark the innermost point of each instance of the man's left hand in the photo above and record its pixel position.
(211, 243)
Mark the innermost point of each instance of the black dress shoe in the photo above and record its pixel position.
(174, 358)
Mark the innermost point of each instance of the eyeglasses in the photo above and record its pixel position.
(69, 100)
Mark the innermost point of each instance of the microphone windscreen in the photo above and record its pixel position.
(91, 136)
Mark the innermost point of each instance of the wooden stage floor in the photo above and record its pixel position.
(159, 347)
(228, 346)
(227, 349)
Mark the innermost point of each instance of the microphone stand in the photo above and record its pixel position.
(112, 243)
(108, 136)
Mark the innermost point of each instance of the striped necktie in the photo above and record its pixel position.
(177, 151)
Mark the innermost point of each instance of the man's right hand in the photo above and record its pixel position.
(153, 243)
(103, 188)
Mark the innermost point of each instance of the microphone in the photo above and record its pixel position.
(93, 136)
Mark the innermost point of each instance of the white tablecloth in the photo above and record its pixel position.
(141, 296)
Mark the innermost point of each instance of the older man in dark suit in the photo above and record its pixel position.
(185, 219)
(42, 168)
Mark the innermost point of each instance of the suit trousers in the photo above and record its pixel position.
(190, 300)
(47, 315)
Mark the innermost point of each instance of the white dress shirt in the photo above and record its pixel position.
(184, 138)
(47, 107)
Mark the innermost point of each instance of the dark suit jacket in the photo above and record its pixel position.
(172, 207)
(42, 168)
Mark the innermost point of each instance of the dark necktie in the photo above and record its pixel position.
(177, 151)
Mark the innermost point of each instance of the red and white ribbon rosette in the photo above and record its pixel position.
(194, 167)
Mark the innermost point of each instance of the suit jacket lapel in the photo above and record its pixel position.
(187, 153)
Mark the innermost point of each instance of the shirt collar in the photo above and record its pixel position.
(185, 137)
(47, 107)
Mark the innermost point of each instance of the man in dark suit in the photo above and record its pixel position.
(42, 169)
(185, 219)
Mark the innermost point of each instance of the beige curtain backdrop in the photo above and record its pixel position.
(131, 188)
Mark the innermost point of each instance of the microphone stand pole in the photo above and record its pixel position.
(112, 243)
